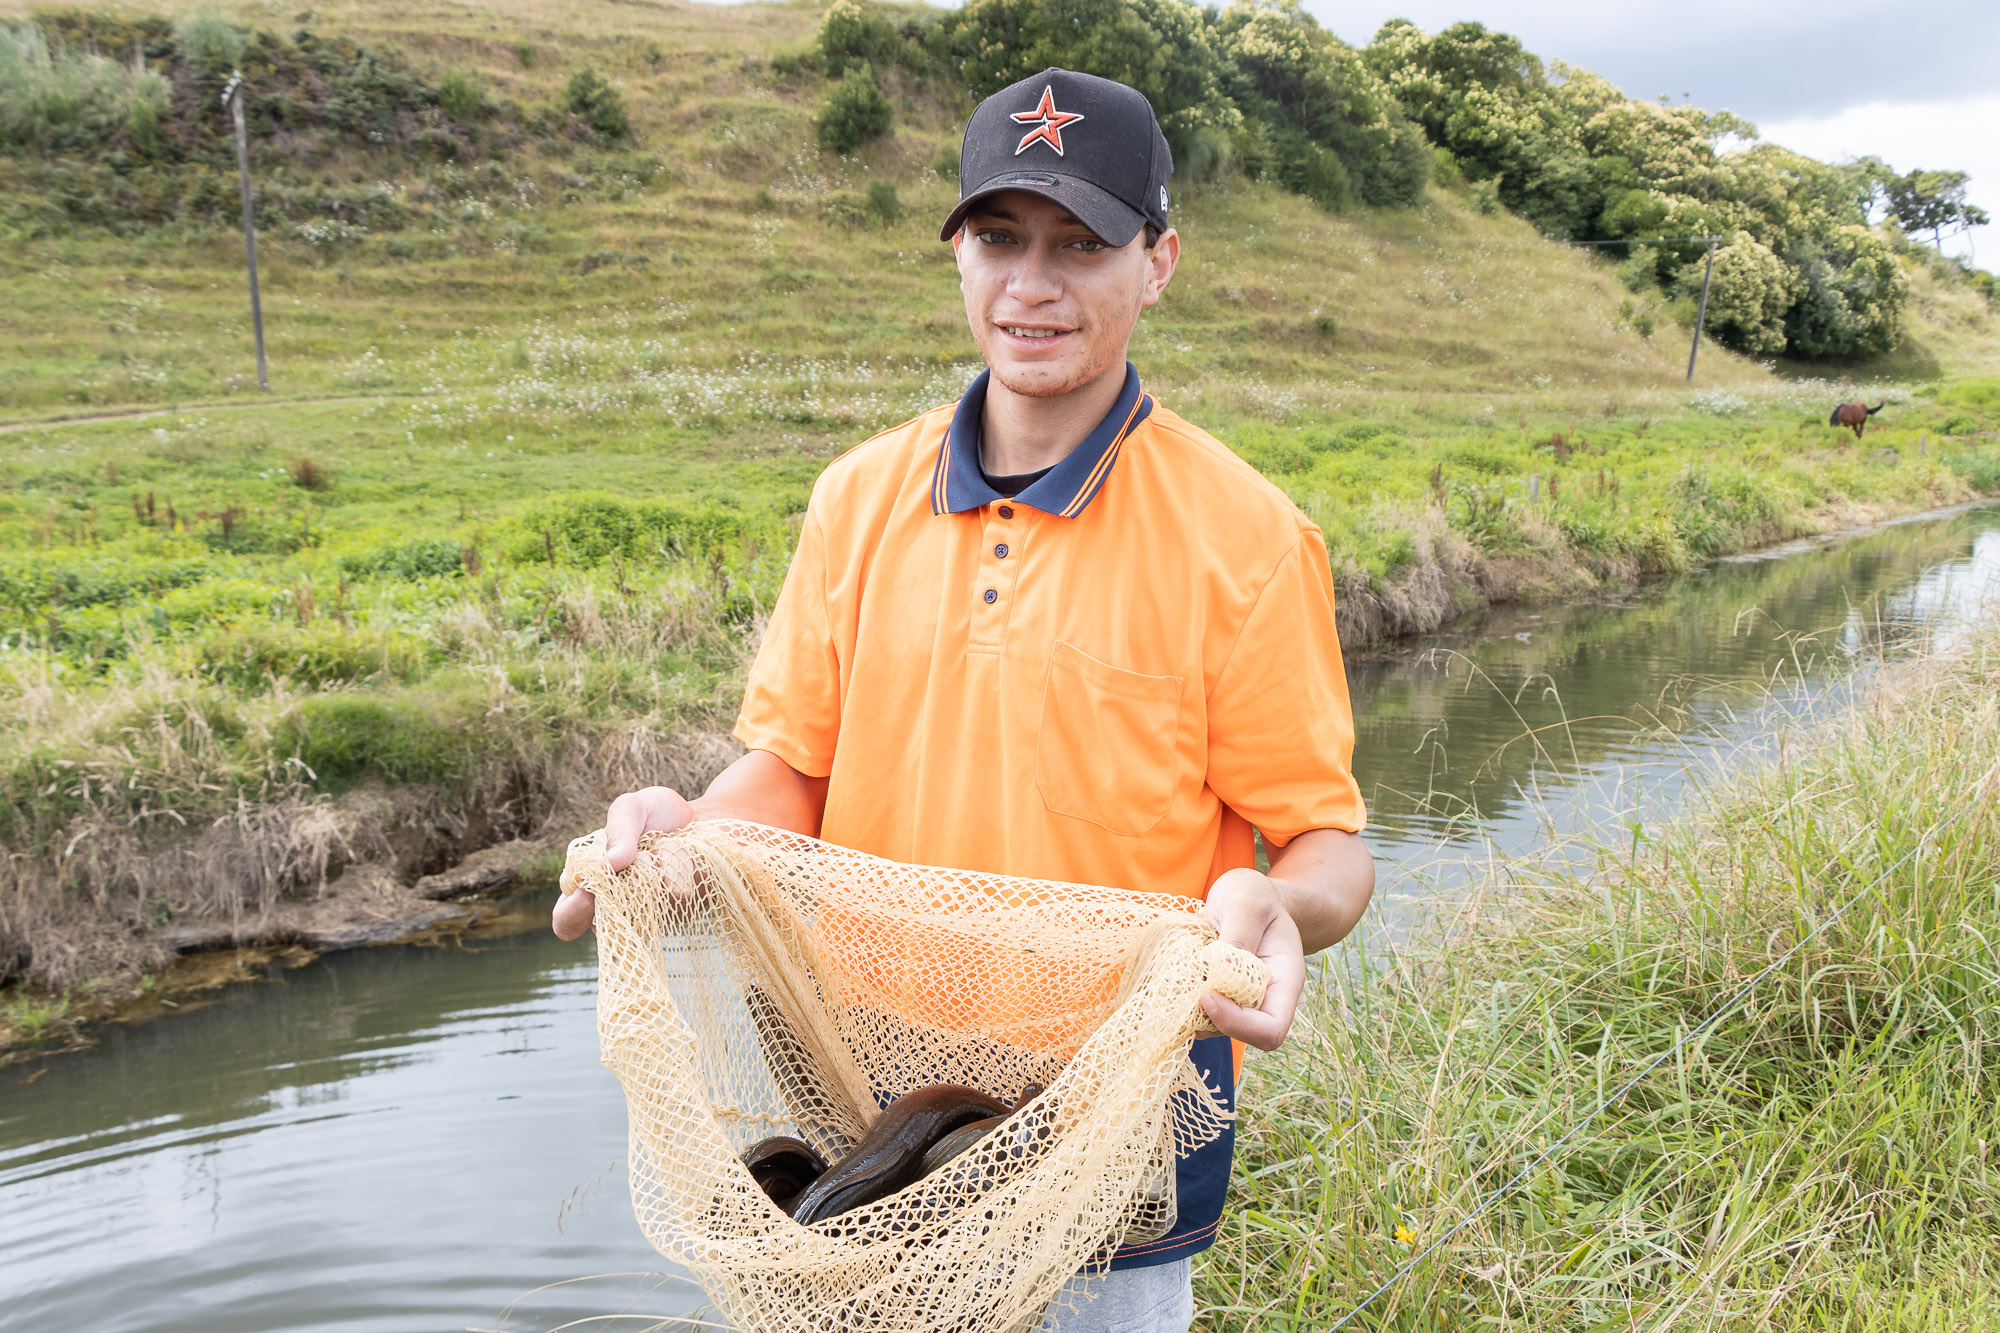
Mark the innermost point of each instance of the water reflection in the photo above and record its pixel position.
(1540, 723)
(400, 1139)
(408, 1139)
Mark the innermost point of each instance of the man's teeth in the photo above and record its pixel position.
(1020, 332)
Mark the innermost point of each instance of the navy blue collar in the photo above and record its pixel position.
(958, 485)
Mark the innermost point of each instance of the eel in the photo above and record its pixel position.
(891, 1154)
(783, 1167)
(961, 1141)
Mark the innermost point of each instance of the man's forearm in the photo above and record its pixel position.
(766, 790)
(1326, 877)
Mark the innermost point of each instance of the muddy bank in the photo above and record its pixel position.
(305, 875)
(1447, 578)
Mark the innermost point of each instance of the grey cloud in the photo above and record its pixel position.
(1768, 61)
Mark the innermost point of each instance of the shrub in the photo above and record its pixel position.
(56, 98)
(209, 42)
(460, 96)
(433, 733)
(856, 36)
(1979, 469)
(856, 112)
(309, 475)
(244, 656)
(883, 205)
(111, 577)
(587, 529)
(1641, 269)
(425, 557)
(592, 99)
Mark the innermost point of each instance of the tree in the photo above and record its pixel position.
(590, 97)
(1751, 292)
(1160, 47)
(1850, 293)
(1336, 132)
(1934, 201)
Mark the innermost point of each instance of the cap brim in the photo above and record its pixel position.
(1114, 221)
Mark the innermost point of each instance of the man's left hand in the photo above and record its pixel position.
(1249, 911)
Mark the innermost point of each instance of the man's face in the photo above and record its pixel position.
(1051, 306)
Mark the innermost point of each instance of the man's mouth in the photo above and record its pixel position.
(1025, 331)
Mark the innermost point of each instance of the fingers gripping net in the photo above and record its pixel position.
(754, 982)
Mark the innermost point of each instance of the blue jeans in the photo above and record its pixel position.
(1159, 1299)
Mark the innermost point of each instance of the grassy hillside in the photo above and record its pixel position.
(499, 539)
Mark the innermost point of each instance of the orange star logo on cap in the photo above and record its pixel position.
(1049, 131)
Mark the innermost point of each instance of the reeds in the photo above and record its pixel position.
(1822, 1158)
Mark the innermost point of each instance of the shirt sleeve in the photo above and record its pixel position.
(791, 701)
(1280, 727)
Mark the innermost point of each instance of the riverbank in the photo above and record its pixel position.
(394, 865)
(1819, 1159)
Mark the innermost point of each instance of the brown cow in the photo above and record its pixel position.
(1855, 415)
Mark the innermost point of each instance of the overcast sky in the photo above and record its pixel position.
(1917, 85)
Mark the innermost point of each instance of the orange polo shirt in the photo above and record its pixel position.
(1109, 678)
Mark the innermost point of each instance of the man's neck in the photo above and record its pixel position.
(1019, 434)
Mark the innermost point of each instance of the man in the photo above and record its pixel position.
(1055, 631)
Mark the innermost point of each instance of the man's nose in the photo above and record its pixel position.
(1034, 280)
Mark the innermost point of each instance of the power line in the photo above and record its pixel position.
(1543, 240)
(1547, 1154)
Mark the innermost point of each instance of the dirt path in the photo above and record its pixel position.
(142, 413)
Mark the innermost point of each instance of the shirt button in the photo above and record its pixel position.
(1000, 551)
(992, 596)
(1006, 511)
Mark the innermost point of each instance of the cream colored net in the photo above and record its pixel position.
(754, 982)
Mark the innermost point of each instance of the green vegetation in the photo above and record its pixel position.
(855, 113)
(546, 408)
(1821, 1159)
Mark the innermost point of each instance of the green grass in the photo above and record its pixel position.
(1821, 1159)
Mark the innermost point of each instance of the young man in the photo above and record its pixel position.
(1055, 631)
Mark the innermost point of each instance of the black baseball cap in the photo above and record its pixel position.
(1089, 144)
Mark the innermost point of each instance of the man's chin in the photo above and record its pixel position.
(1043, 381)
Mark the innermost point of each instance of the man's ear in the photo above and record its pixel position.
(1161, 261)
(957, 257)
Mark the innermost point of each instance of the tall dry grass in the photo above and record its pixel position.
(1823, 1158)
(157, 797)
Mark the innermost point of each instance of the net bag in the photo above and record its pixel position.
(754, 982)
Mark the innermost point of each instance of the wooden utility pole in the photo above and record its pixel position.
(232, 97)
(1700, 314)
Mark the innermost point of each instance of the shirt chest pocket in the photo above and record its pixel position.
(1106, 747)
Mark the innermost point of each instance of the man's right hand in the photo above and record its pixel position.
(652, 809)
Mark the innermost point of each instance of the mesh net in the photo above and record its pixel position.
(753, 982)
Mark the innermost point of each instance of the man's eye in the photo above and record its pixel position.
(991, 237)
(1089, 247)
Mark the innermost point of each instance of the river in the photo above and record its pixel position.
(415, 1139)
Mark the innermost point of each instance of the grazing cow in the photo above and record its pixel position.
(1855, 415)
